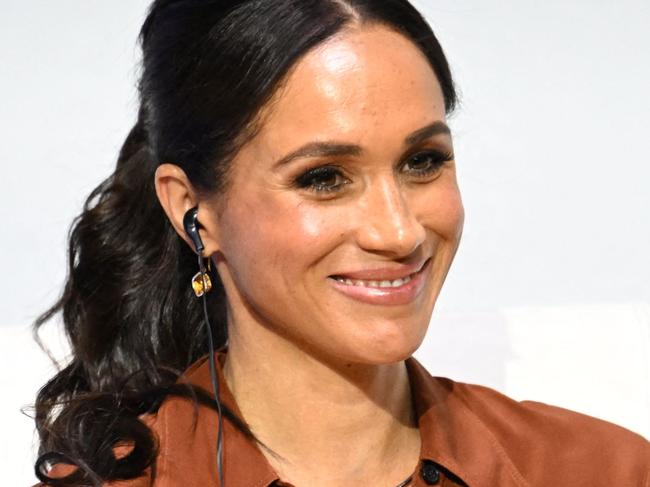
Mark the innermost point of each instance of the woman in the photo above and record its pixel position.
(300, 148)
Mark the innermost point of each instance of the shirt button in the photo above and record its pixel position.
(430, 473)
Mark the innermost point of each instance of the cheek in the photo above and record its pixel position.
(277, 236)
(442, 211)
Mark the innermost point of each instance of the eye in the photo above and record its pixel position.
(324, 179)
(426, 163)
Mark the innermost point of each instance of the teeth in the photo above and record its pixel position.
(385, 283)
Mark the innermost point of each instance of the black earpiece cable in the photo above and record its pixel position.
(190, 223)
(213, 374)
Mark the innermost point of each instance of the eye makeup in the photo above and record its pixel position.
(323, 179)
(330, 178)
(426, 163)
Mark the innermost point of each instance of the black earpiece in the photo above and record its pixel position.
(191, 224)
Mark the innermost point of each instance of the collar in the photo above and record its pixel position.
(256, 470)
(453, 437)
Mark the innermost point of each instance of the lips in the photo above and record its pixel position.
(387, 286)
(383, 274)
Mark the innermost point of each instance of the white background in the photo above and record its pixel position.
(549, 297)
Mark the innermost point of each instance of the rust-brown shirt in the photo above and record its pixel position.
(471, 435)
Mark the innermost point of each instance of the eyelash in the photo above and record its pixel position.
(309, 179)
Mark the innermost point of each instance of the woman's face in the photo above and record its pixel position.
(343, 215)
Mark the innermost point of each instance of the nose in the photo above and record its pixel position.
(387, 222)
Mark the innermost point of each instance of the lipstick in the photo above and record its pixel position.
(384, 286)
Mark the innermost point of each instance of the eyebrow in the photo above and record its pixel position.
(331, 149)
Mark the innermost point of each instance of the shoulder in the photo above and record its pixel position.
(541, 439)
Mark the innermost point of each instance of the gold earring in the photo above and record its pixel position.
(201, 282)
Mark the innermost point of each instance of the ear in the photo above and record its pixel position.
(177, 195)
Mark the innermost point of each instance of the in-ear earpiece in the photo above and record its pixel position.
(191, 225)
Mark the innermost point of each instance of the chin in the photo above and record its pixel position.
(388, 349)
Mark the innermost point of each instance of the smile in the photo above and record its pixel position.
(380, 288)
(380, 284)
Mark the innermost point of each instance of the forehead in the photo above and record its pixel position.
(362, 84)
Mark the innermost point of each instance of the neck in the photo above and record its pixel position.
(326, 420)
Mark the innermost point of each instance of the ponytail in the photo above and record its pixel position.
(132, 321)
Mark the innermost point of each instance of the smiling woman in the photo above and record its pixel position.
(300, 148)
